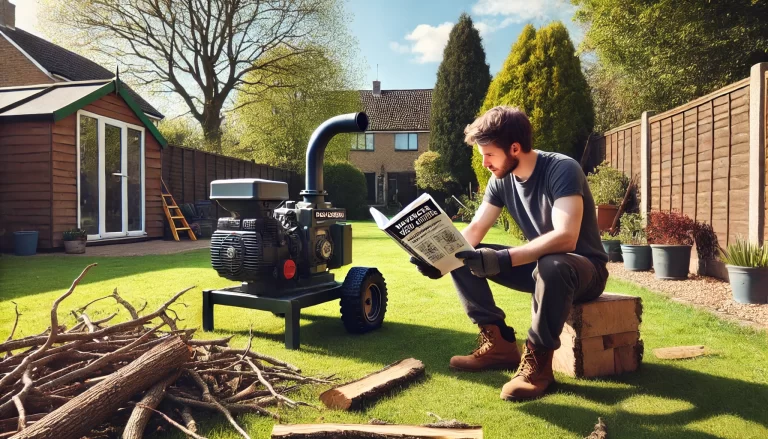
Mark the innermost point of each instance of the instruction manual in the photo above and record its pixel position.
(426, 232)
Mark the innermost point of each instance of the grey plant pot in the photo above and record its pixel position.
(637, 257)
(74, 247)
(670, 262)
(748, 284)
(613, 248)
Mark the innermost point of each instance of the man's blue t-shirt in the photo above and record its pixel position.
(530, 202)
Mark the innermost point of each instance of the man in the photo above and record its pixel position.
(562, 263)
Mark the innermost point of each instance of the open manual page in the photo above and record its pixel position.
(426, 232)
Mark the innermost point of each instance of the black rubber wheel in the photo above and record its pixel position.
(363, 300)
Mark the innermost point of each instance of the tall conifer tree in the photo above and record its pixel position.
(462, 82)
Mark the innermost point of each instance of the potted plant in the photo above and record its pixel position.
(608, 186)
(747, 265)
(634, 244)
(707, 252)
(611, 245)
(74, 241)
(671, 237)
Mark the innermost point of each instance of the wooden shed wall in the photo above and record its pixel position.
(65, 168)
(25, 180)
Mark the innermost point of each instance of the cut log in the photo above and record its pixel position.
(355, 393)
(679, 352)
(94, 406)
(364, 431)
(601, 338)
(610, 313)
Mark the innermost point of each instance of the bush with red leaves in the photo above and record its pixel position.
(670, 228)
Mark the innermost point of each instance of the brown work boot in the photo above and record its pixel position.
(493, 352)
(534, 375)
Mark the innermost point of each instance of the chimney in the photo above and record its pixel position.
(377, 88)
(7, 14)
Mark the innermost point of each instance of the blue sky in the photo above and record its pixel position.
(406, 37)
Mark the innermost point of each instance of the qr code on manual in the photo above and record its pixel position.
(431, 251)
(448, 240)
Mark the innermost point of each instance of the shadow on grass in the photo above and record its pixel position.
(709, 396)
(392, 342)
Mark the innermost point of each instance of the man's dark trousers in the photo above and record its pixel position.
(556, 281)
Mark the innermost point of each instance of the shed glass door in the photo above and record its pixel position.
(111, 186)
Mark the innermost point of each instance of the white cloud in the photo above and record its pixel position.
(497, 14)
(427, 42)
(399, 48)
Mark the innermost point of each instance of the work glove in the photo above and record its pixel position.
(485, 262)
(426, 269)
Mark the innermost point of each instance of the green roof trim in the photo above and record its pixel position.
(122, 91)
(112, 86)
(82, 102)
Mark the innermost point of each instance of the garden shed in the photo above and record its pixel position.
(78, 154)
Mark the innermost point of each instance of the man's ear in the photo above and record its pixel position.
(515, 148)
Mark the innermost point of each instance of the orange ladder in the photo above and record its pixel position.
(176, 216)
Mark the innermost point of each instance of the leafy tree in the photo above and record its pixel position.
(462, 81)
(182, 132)
(276, 128)
(204, 52)
(542, 75)
(430, 172)
(655, 55)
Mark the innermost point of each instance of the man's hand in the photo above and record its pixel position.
(485, 262)
(426, 269)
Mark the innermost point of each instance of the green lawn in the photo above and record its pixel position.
(722, 395)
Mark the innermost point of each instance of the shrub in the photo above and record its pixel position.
(743, 253)
(670, 228)
(631, 231)
(608, 185)
(430, 174)
(707, 247)
(346, 188)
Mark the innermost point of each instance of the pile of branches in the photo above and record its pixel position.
(131, 378)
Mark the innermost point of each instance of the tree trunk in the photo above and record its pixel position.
(77, 417)
(211, 125)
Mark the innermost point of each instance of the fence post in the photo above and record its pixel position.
(757, 109)
(645, 165)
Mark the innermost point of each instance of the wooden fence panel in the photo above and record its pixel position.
(189, 173)
(699, 159)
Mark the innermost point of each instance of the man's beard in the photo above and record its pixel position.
(510, 164)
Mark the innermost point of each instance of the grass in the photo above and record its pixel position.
(722, 395)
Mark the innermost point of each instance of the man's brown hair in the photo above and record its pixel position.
(502, 126)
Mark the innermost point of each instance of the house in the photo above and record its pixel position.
(77, 147)
(30, 60)
(397, 135)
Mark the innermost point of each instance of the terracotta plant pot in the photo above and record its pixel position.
(74, 247)
(605, 215)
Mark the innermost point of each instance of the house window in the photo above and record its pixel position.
(406, 142)
(362, 142)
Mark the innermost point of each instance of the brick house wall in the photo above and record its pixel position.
(387, 164)
(24, 71)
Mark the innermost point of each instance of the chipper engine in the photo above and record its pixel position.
(282, 250)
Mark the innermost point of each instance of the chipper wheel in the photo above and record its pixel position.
(363, 300)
